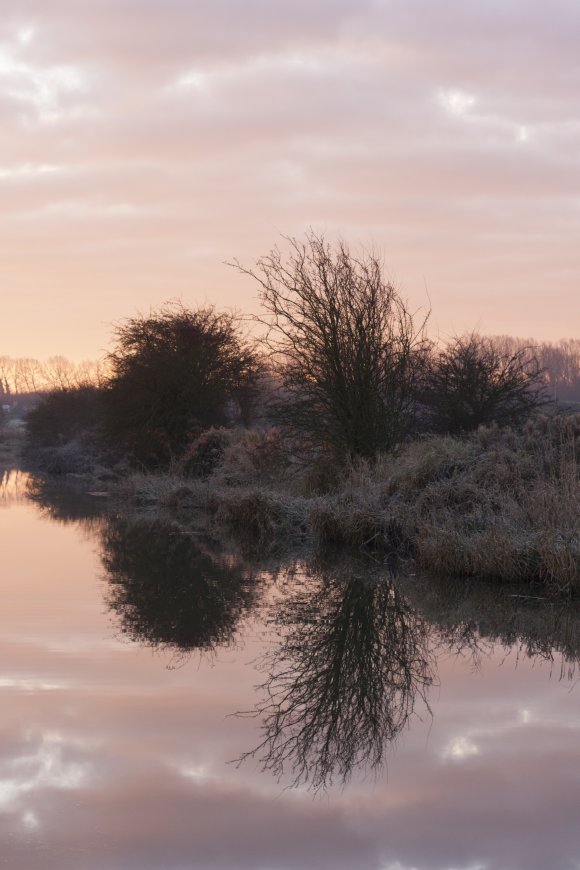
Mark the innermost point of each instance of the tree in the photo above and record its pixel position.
(341, 342)
(473, 382)
(173, 374)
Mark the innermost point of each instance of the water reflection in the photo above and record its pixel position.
(352, 649)
(66, 504)
(474, 618)
(352, 662)
(170, 589)
(12, 486)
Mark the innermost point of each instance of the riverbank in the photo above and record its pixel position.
(500, 505)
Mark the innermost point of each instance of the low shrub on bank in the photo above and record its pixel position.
(510, 509)
(206, 453)
(62, 415)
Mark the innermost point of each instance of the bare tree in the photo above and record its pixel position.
(342, 343)
(6, 372)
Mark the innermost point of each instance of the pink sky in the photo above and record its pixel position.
(142, 143)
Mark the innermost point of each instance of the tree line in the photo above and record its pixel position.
(336, 359)
(20, 376)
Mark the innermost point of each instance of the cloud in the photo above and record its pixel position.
(437, 130)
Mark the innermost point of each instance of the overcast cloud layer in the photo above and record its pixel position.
(143, 143)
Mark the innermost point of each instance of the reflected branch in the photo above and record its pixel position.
(353, 660)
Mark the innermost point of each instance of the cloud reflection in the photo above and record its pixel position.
(125, 765)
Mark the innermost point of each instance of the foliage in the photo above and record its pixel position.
(343, 345)
(472, 382)
(173, 374)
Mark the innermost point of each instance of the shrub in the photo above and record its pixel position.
(174, 374)
(473, 382)
(206, 453)
(63, 415)
(257, 456)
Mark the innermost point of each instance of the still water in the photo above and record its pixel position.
(382, 722)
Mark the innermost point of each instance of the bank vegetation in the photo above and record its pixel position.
(337, 423)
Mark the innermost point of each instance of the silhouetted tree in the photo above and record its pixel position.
(173, 374)
(473, 382)
(342, 344)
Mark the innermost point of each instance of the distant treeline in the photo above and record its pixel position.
(560, 362)
(19, 376)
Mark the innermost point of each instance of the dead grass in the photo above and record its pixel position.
(501, 505)
(260, 519)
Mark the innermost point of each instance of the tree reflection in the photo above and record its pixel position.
(65, 504)
(168, 589)
(12, 486)
(474, 618)
(352, 662)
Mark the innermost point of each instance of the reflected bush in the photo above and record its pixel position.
(168, 589)
(471, 617)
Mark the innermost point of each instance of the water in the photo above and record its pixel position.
(397, 724)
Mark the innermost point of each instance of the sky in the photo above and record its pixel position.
(143, 143)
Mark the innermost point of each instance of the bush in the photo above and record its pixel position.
(64, 415)
(174, 374)
(206, 453)
(473, 383)
(258, 456)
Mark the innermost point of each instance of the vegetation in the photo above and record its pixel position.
(367, 436)
(343, 345)
(173, 374)
(499, 504)
(64, 415)
(472, 383)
